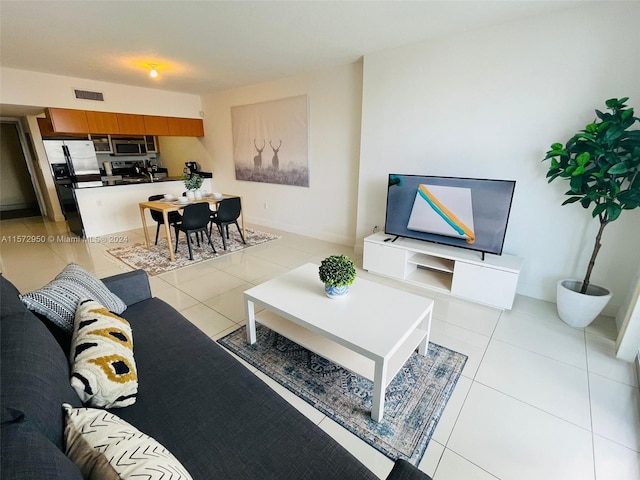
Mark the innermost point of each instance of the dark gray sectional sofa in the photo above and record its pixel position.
(218, 419)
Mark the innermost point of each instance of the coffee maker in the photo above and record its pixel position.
(191, 167)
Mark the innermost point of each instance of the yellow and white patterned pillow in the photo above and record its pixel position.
(103, 370)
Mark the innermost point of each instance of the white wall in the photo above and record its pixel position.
(21, 87)
(488, 104)
(327, 208)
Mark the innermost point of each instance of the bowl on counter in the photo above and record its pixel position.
(217, 195)
(183, 200)
(169, 197)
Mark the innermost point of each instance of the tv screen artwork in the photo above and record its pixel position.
(463, 212)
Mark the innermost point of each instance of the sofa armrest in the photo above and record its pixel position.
(131, 287)
(403, 470)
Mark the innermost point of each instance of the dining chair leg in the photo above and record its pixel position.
(157, 232)
(189, 245)
(240, 232)
(224, 240)
(210, 242)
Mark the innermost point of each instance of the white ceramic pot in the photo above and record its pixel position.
(191, 195)
(580, 309)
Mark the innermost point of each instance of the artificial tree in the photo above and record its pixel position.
(602, 165)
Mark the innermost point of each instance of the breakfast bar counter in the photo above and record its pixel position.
(110, 209)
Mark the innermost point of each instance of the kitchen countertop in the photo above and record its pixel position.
(123, 181)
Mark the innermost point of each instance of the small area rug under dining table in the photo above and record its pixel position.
(414, 400)
(155, 260)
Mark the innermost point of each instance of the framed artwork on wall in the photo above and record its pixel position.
(271, 141)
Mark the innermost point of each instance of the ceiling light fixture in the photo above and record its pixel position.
(153, 73)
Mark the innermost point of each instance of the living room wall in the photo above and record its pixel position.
(488, 104)
(327, 208)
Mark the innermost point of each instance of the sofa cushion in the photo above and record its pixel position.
(103, 370)
(106, 447)
(59, 299)
(194, 397)
(27, 454)
(34, 372)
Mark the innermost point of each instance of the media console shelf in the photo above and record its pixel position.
(460, 272)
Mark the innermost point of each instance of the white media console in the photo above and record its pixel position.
(459, 272)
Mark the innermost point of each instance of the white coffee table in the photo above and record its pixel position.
(371, 331)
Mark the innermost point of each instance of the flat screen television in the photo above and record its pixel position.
(464, 212)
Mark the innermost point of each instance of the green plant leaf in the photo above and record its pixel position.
(583, 158)
(578, 171)
(613, 211)
(599, 209)
(571, 200)
(618, 169)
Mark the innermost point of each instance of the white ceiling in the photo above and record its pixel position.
(204, 46)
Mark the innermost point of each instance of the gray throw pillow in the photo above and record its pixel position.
(58, 300)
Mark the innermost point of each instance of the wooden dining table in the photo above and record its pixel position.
(166, 206)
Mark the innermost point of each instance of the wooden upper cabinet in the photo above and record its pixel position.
(65, 120)
(68, 121)
(102, 122)
(186, 127)
(156, 125)
(45, 126)
(131, 124)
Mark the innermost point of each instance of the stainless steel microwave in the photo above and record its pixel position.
(129, 146)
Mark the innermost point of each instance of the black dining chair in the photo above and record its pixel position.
(195, 218)
(173, 217)
(227, 213)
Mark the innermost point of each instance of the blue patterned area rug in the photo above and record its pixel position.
(414, 401)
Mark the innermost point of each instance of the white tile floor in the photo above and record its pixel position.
(536, 400)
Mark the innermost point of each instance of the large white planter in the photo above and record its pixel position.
(580, 309)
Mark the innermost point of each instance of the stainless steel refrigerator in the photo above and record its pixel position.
(79, 156)
(74, 165)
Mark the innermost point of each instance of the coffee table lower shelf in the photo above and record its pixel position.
(343, 356)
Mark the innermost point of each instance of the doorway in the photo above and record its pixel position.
(18, 195)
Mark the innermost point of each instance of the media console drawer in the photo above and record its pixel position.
(484, 284)
(383, 259)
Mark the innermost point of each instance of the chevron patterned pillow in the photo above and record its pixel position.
(59, 299)
(103, 370)
(105, 447)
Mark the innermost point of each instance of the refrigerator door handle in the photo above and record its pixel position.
(67, 157)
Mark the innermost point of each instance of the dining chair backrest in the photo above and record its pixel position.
(155, 214)
(229, 209)
(195, 216)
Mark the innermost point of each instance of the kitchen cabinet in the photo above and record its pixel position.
(185, 127)
(102, 122)
(152, 143)
(156, 125)
(45, 126)
(131, 124)
(67, 120)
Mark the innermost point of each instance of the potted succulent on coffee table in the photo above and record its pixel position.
(602, 165)
(337, 272)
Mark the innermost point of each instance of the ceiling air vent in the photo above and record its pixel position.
(87, 95)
